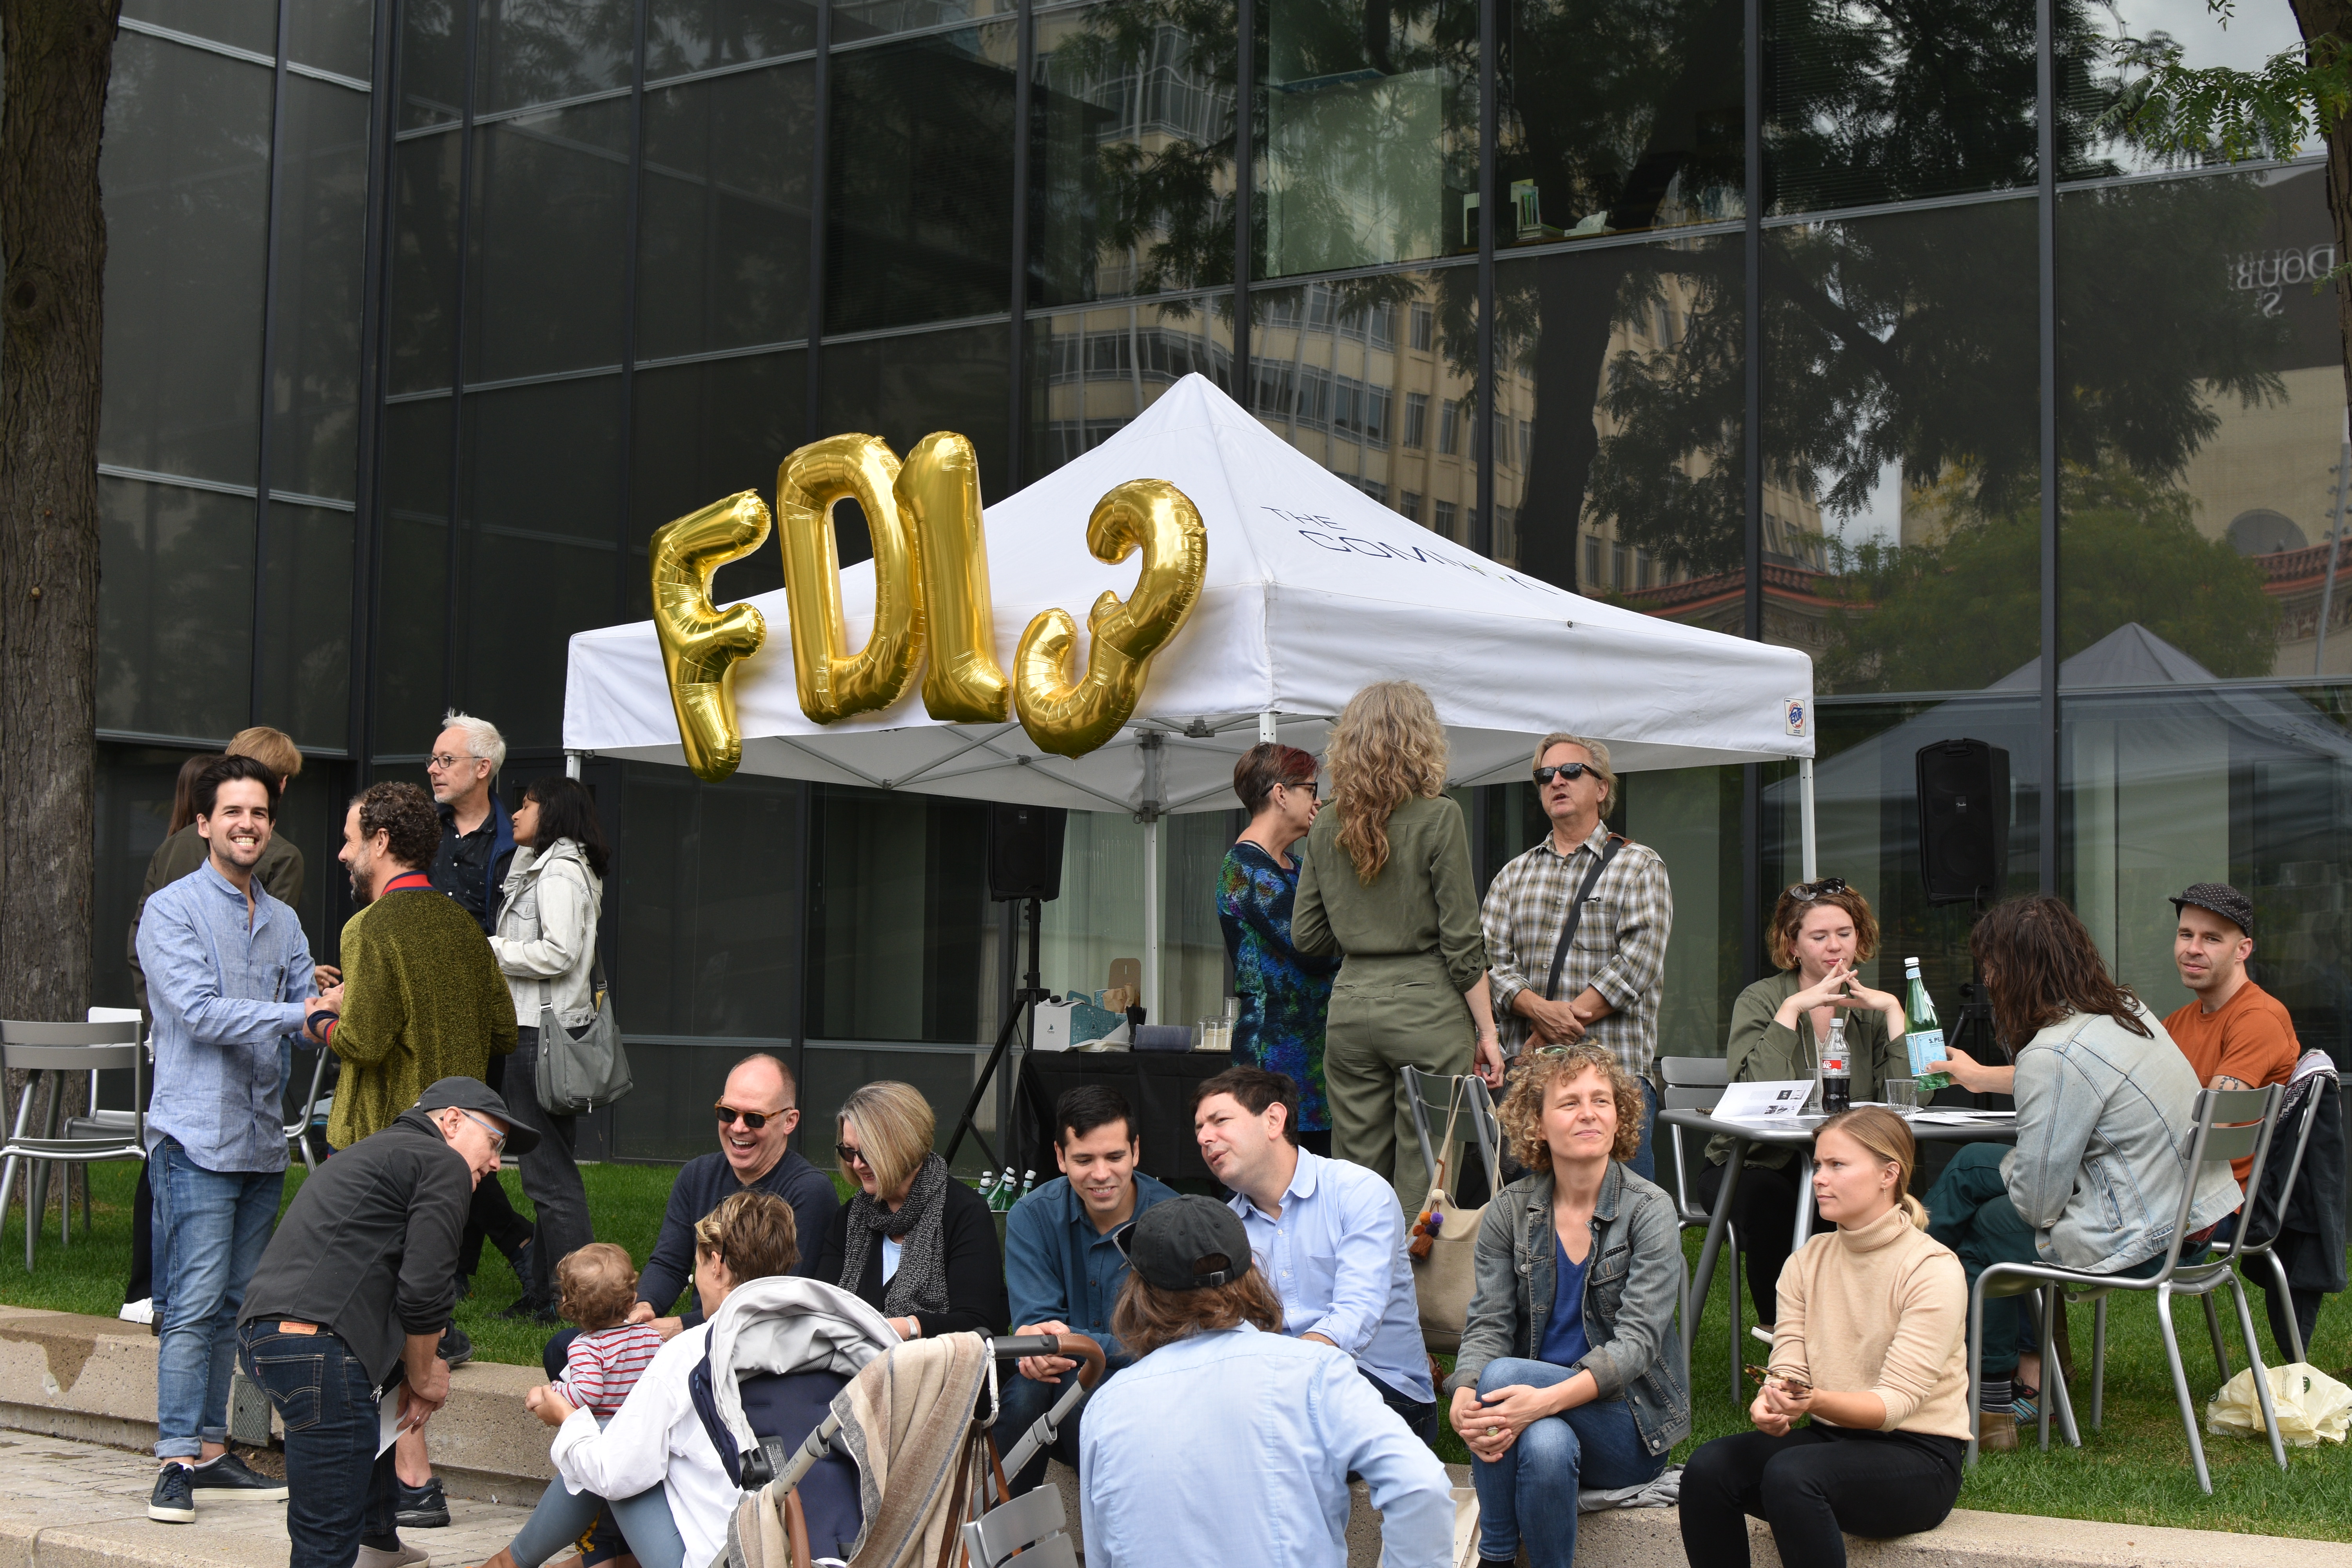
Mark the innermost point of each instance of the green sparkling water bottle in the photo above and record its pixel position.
(1925, 1040)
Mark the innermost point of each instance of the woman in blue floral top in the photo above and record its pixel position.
(1284, 994)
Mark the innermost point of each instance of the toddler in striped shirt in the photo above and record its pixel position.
(597, 1285)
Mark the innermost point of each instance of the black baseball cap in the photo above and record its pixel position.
(2220, 899)
(472, 1094)
(1169, 1236)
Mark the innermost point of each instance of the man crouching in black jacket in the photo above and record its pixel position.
(349, 1303)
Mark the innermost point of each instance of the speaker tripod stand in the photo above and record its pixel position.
(1020, 1013)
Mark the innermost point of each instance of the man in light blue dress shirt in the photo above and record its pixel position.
(1228, 1444)
(229, 980)
(1329, 1235)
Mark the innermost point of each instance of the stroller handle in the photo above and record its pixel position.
(1079, 1347)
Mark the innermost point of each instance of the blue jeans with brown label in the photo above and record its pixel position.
(339, 1493)
(210, 1229)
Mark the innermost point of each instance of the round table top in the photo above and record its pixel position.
(1981, 1127)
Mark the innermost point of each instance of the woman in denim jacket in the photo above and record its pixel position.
(1570, 1373)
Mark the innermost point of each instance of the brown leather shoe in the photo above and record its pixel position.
(1997, 1431)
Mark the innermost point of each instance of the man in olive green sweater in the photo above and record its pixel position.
(422, 997)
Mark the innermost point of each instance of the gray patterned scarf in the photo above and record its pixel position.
(919, 1227)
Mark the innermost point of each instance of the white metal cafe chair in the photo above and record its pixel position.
(2231, 1124)
(58, 1051)
(1029, 1527)
(2316, 1088)
(1432, 1095)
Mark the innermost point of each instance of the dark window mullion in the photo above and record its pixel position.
(263, 421)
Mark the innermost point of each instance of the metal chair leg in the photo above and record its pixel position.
(2057, 1401)
(2213, 1327)
(2261, 1378)
(1731, 1306)
(2284, 1296)
(2099, 1361)
(1976, 1366)
(2181, 1389)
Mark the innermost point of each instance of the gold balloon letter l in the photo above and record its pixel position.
(701, 643)
(1072, 718)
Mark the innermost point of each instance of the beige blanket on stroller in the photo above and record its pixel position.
(906, 1420)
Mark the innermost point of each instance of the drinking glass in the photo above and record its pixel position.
(1902, 1096)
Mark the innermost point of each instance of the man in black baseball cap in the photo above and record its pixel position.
(347, 1305)
(1222, 1405)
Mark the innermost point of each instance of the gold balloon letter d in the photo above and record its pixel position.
(700, 643)
(1072, 718)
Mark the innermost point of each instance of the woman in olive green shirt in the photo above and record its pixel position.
(1821, 934)
(1386, 882)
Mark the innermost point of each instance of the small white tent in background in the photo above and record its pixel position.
(1312, 590)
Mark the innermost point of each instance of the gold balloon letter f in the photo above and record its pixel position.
(700, 643)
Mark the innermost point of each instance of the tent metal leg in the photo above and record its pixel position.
(1806, 834)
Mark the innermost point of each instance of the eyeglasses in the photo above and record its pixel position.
(1562, 769)
(1313, 791)
(754, 1120)
(497, 1138)
(1806, 892)
(851, 1154)
(443, 762)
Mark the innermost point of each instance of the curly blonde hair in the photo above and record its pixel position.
(1532, 1077)
(1387, 747)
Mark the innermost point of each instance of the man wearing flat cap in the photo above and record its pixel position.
(2234, 1032)
(1228, 1441)
(348, 1306)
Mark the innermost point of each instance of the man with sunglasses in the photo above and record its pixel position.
(1601, 983)
(757, 1112)
(347, 1305)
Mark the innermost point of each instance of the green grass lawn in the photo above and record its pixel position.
(2136, 1471)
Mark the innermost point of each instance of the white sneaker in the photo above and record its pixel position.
(143, 1310)
(406, 1557)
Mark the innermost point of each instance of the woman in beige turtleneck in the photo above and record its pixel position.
(1871, 1345)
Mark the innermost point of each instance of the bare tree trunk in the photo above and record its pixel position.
(2315, 18)
(55, 56)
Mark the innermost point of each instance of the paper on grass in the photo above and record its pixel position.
(1777, 1103)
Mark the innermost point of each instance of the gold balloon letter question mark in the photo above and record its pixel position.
(1072, 718)
(701, 643)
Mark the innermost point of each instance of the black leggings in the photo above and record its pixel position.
(1812, 1487)
(1764, 1213)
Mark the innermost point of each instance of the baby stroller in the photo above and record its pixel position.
(820, 1456)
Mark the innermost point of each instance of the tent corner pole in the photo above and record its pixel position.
(571, 761)
(1806, 836)
(1269, 728)
(1151, 918)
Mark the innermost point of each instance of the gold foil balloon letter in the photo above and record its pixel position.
(1071, 718)
(939, 493)
(834, 685)
(700, 643)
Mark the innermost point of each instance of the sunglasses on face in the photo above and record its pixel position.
(851, 1154)
(754, 1120)
(1806, 892)
(1562, 769)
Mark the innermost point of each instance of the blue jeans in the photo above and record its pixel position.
(562, 1516)
(210, 1229)
(1529, 1494)
(339, 1493)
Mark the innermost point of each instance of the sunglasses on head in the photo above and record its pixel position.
(754, 1120)
(1561, 769)
(1806, 892)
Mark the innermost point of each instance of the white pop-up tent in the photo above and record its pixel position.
(1312, 590)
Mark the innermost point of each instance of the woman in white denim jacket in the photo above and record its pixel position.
(546, 947)
(2105, 1110)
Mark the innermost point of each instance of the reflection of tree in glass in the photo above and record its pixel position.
(1949, 616)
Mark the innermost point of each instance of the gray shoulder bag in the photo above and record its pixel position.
(585, 1071)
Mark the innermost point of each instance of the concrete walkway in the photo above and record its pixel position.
(77, 1505)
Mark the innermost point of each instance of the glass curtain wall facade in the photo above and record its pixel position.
(1783, 318)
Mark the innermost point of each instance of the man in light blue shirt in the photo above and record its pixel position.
(228, 978)
(1227, 1443)
(1328, 1234)
(1063, 1268)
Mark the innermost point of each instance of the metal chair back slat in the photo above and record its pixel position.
(35, 1049)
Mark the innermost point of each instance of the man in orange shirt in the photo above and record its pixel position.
(2235, 1034)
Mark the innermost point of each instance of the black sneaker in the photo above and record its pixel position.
(531, 1307)
(175, 1497)
(455, 1347)
(421, 1508)
(229, 1479)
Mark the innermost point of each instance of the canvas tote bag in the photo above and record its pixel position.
(1444, 1248)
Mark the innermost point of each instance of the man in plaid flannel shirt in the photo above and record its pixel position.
(1608, 991)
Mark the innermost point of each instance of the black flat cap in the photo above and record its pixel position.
(472, 1094)
(2220, 899)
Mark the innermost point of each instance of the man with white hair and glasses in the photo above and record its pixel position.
(1576, 927)
(477, 842)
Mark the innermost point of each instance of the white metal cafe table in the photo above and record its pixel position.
(1932, 1124)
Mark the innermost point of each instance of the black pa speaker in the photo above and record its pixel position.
(1963, 821)
(1025, 851)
